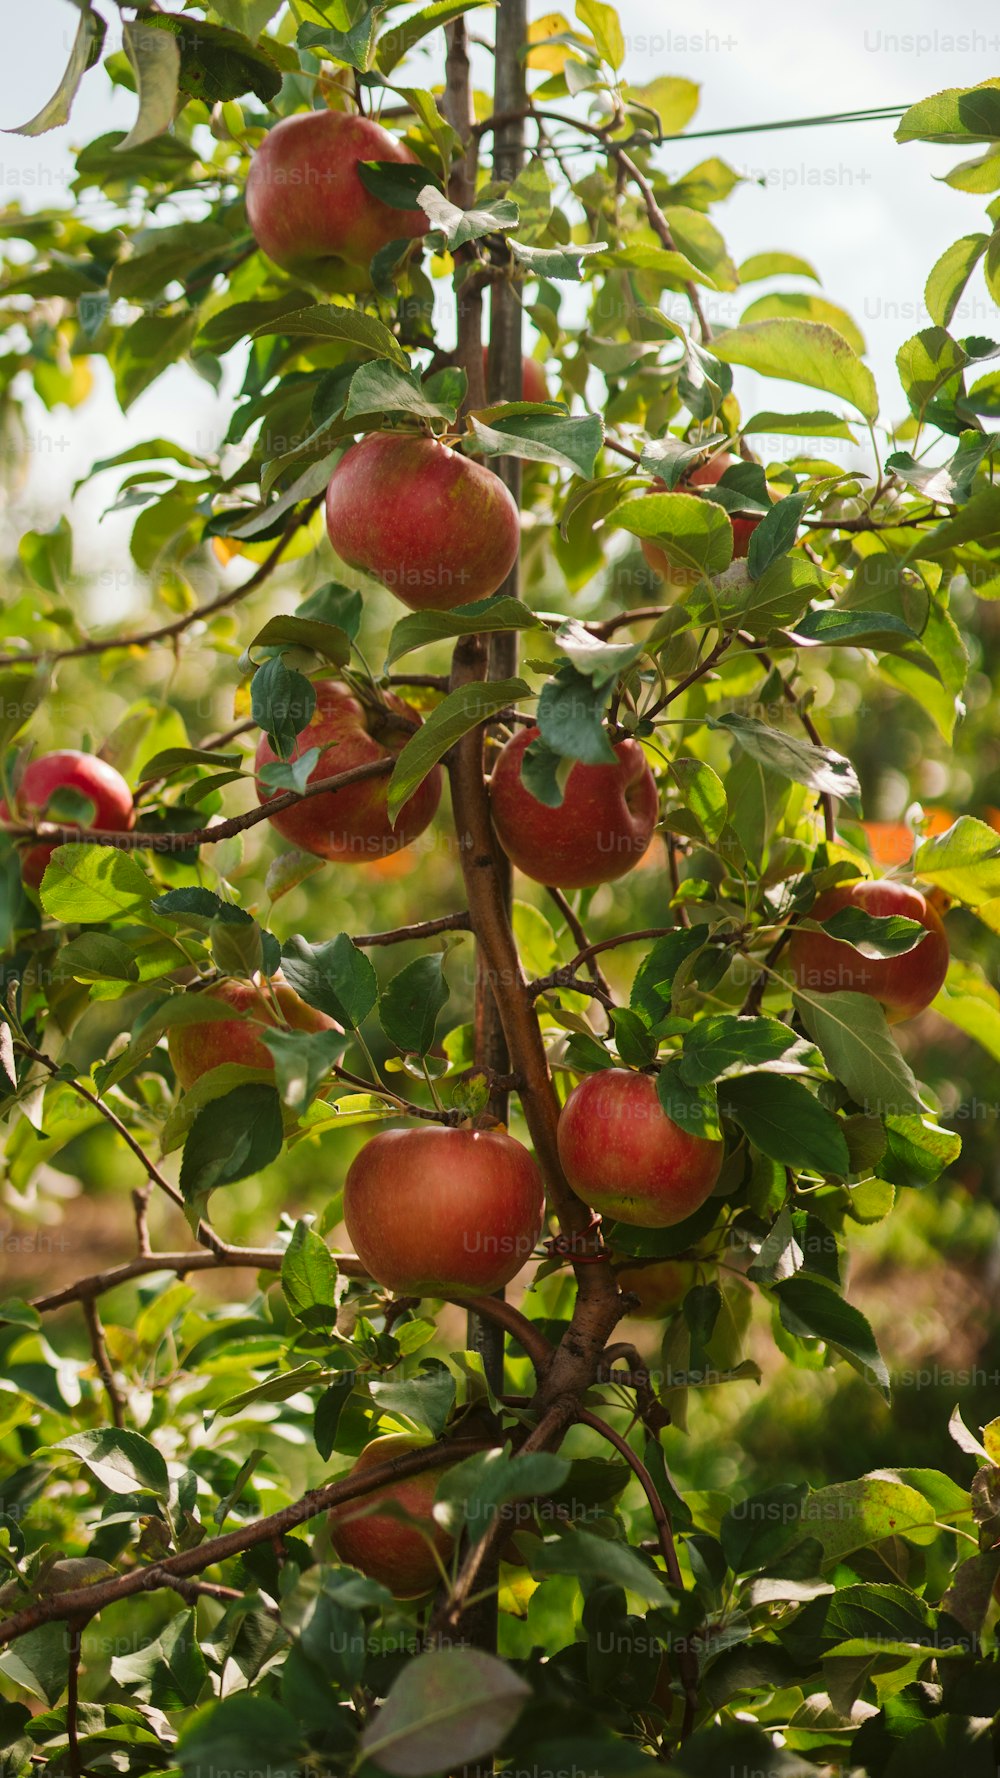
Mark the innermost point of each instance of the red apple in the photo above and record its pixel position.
(434, 527)
(533, 384)
(307, 207)
(351, 825)
(904, 984)
(432, 1210)
(382, 1546)
(602, 828)
(196, 1048)
(660, 1285)
(83, 773)
(624, 1156)
(704, 476)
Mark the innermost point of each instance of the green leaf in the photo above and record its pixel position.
(812, 1308)
(85, 884)
(156, 63)
(309, 1278)
(873, 935)
(776, 265)
(461, 226)
(478, 1489)
(724, 1041)
(854, 1515)
(673, 99)
(964, 862)
(327, 321)
(282, 702)
(218, 64)
(604, 25)
(240, 1733)
(87, 46)
(145, 349)
(859, 1050)
(38, 1662)
(917, 1151)
(806, 352)
(693, 534)
(571, 712)
(169, 1673)
(485, 617)
(787, 1122)
(460, 711)
(232, 1138)
(571, 441)
(703, 794)
(448, 1708)
(652, 986)
(563, 264)
(818, 768)
(695, 1109)
(399, 39)
(598, 1558)
(381, 388)
(831, 628)
(949, 276)
(336, 977)
(634, 1042)
(293, 631)
(123, 1461)
(425, 1399)
(410, 1005)
(959, 114)
(972, 1004)
(353, 47)
(302, 1061)
(776, 533)
(817, 424)
(803, 305)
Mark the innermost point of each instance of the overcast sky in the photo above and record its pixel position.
(868, 214)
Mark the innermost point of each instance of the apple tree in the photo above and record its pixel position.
(492, 634)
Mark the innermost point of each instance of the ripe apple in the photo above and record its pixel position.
(196, 1048)
(704, 476)
(904, 984)
(351, 825)
(623, 1155)
(307, 207)
(381, 1546)
(600, 831)
(660, 1285)
(432, 1209)
(533, 384)
(434, 527)
(82, 773)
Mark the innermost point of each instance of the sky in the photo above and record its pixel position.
(869, 215)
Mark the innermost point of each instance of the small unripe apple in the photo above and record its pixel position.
(904, 984)
(384, 1547)
(433, 1209)
(704, 476)
(196, 1048)
(351, 825)
(82, 773)
(601, 830)
(306, 204)
(434, 527)
(624, 1156)
(660, 1285)
(533, 384)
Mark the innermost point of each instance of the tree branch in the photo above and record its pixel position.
(165, 632)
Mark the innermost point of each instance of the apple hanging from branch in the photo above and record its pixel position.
(77, 776)
(196, 1048)
(307, 206)
(435, 1209)
(601, 829)
(352, 825)
(435, 528)
(383, 1546)
(624, 1156)
(904, 984)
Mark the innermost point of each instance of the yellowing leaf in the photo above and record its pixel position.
(544, 54)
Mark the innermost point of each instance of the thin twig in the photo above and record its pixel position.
(164, 632)
(73, 1701)
(99, 1347)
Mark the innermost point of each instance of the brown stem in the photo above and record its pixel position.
(600, 981)
(73, 1702)
(85, 1602)
(99, 1347)
(164, 632)
(401, 935)
(686, 1659)
(136, 841)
